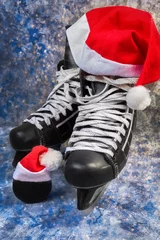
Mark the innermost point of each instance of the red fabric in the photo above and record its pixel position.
(128, 36)
(31, 160)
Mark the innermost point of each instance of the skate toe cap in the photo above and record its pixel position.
(24, 137)
(87, 169)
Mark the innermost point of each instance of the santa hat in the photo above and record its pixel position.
(118, 41)
(31, 179)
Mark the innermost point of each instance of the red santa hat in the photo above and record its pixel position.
(31, 179)
(118, 41)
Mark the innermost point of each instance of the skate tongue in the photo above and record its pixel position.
(97, 87)
(68, 58)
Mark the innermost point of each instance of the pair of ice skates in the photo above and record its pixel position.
(94, 111)
(94, 116)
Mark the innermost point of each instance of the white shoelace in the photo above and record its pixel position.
(102, 118)
(59, 100)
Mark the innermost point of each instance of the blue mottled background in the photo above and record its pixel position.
(32, 37)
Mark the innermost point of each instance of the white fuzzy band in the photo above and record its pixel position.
(22, 174)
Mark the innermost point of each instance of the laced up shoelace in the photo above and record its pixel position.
(59, 100)
(102, 118)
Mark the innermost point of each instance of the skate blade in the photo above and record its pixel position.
(87, 199)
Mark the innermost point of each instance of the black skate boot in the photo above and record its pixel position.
(98, 147)
(52, 124)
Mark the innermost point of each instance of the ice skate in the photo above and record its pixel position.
(117, 53)
(98, 148)
(52, 124)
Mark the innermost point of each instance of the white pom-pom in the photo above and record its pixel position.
(51, 159)
(138, 98)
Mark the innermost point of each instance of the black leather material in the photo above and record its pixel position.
(68, 58)
(24, 137)
(89, 169)
(31, 192)
(84, 168)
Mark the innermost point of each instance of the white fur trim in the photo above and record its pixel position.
(138, 98)
(89, 60)
(52, 159)
(24, 175)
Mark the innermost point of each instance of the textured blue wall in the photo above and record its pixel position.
(32, 37)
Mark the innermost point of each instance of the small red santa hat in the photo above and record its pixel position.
(31, 179)
(118, 41)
